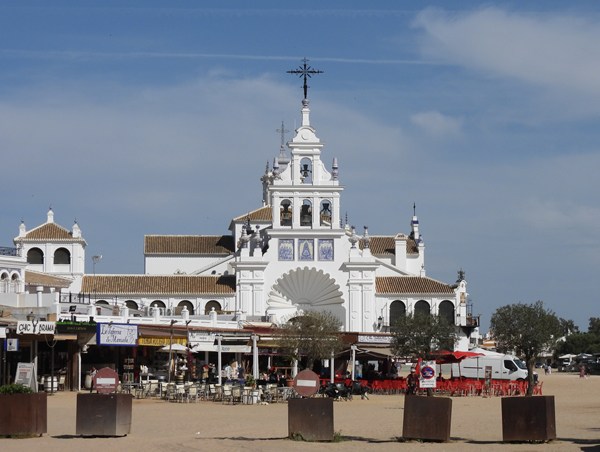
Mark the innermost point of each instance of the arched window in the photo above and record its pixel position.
(306, 171)
(35, 256)
(132, 305)
(285, 213)
(15, 277)
(3, 276)
(325, 213)
(446, 311)
(210, 305)
(158, 304)
(102, 302)
(397, 311)
(306, 213)
(422, 307)
(62, 256)
(188, 304)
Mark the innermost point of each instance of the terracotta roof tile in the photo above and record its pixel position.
(410, 285)
(189, 244)
(163, 285)
(48, 231)
(387, 245)
(44, 279)
(262, 214)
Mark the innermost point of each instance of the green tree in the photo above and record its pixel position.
(527, 330)
(568, 327)
(314, 335)
(578, 343)
(417, 336)
(594, 326)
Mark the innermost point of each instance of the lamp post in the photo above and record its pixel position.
(95, 259)
(255, 357)
(219, 360)
(353, 348)
(173, 322)
(188, 357)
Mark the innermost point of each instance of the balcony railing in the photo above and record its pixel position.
(6, 251)
(472, 321)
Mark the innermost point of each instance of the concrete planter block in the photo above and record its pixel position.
(311, 419)
(528, 418)
(23, 414)
(103, 414)
(427, 418)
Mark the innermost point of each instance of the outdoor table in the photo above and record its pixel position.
(284, 393)
(129, 387)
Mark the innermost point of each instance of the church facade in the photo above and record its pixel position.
(291, 254)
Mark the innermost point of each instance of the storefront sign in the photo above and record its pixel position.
(375, 339)
(25, 375)
(35, 327)
(12, 345)
(154, 341)
(208, 347)
(75, 327)
(117, 334)
(196, 336)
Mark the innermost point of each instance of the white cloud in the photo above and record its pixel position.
(437, 124)
(556, 51)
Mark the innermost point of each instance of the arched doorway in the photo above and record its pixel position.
(446, 311)
(132, 305)
(422, 307)
(62, 256)
(397, 311)
(188, 305)
(35, 256)
(212, 305)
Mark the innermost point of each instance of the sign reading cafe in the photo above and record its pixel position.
(116, 334)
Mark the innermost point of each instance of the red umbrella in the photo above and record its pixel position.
(447, 357)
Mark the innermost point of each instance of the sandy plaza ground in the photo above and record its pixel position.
(373, 424)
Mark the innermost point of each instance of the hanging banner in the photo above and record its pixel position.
(117, 334)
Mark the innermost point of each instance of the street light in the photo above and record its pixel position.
(173, 322)
(95, 259)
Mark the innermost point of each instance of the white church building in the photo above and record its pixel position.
(290, 254)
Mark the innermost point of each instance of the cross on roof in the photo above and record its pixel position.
(282, 131)
(306, 72)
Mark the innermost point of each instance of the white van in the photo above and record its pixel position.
(503, 367)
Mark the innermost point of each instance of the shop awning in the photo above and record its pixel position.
(380, 352)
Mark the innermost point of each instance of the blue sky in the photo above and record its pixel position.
(159, 117)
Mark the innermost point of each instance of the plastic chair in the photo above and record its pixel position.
(227, 394)
(61, 382)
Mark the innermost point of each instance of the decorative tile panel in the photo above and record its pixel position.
(286, 249)
(325, 249)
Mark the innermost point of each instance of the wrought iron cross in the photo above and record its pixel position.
(282, 131)
(306, 72)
